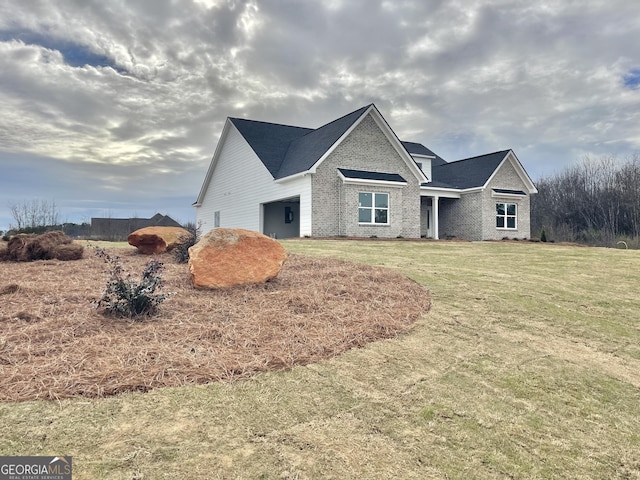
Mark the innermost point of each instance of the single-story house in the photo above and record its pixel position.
(354, 177)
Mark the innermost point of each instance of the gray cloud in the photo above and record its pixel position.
(120, 103)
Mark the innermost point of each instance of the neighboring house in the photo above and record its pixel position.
(354, 177)
(120, 228)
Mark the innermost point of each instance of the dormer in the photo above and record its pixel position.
(424, 162)
(422, 156)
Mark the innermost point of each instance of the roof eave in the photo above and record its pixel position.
(213, 162)
(441, 191)
(389, 133)
(288, 178)
(347, 132)
(521, 172)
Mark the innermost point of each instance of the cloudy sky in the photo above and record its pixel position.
(113, 107)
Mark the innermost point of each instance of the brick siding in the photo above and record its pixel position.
(335, 205)
(505, 178)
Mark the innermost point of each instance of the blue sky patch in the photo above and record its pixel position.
(74, 54)
(632, 79)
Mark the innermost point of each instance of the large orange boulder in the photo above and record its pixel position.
(152, 240)
(226, 257)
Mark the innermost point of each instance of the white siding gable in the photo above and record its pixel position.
(424, 163)
(239, 183)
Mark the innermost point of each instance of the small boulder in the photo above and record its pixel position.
(226, 257)
(152, 240)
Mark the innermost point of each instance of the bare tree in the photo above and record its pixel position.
(34, 214)
(595, 201)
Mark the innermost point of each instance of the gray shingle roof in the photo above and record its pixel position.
(287, 150)
(436, 184)
(270, 141)
(305, 151)
(364, 175)
(469, 172)
(419, 149)
(510, 192)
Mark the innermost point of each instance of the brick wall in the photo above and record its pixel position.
(335, 205)
(473, 216)
(461, 217)
(505, 178)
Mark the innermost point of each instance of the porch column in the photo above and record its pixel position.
(436, 226)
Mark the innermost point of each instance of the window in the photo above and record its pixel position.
(216, 219)
(506, 215)
(373, 208)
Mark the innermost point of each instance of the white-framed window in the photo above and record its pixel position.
(507, 216)
(373, 208)
(216, 219)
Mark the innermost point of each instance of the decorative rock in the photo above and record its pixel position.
(226, 257)
(152, 240)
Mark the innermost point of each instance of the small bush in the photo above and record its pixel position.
(123, 296)
(181, 250)
(543, 235)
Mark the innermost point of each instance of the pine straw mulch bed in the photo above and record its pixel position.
(54, 343)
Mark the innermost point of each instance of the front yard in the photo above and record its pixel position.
(527, 366)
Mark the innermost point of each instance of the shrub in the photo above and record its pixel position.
(543, 235)
(181, 250)
(123, 296)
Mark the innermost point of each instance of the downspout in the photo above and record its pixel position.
(340, 207)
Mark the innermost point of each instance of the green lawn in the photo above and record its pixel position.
(527, 366)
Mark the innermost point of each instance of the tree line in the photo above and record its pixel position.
(596, 202)
(39, 216)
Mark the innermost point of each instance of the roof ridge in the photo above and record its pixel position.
(270, 123)
(477, 156)
(366, 107)
(313, 130)
(305, 128)
(320, 132)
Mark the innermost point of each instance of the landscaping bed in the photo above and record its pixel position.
(55, 344)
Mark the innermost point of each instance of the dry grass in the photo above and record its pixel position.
(54, 344)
